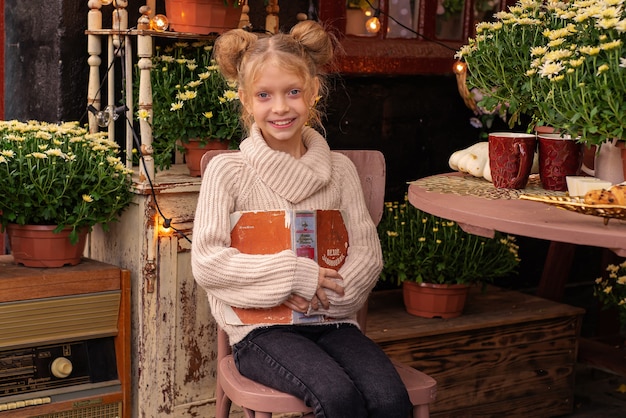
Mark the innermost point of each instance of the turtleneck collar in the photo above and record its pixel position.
(293, 179)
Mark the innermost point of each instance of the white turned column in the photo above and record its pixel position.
(144, 52)
(244, 20)
(271, 20)
(119, 49)
(110, 85)
(94, 49)
(119, 22)
(130, 104)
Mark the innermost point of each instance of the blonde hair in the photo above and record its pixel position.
(304, 51)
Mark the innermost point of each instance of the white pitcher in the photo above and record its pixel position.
(608, 163)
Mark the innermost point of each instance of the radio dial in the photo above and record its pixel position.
(61, 367)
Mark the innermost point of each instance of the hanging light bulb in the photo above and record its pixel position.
(106, 2)
(104, 117)
(166, 226)
(159, 23)
(459, 67)
(372, 25)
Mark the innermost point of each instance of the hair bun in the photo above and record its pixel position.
(229, 50)
(319, 43)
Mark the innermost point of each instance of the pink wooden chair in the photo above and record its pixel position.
(260, 401)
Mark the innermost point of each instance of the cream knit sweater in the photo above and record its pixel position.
(260, 178)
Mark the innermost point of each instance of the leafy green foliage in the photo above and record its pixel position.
(424, 248)
(60, 175)
(190, 99)
(578, 76)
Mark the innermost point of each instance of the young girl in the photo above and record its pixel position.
(285, 164)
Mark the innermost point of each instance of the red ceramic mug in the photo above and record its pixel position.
(558, 157)
(511, 158)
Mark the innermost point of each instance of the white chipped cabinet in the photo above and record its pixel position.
(173, 345)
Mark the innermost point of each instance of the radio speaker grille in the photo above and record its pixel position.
(112, 410)
(36, 321)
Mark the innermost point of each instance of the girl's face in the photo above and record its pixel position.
(279, 106)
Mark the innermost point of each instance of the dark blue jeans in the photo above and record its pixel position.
(337, 370)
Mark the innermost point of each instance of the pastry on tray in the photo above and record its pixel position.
(614, 195)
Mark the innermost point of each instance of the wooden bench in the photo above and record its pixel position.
(509, 354)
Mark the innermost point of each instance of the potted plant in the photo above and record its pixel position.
(191, 100)
(61, 179)
(423, 252)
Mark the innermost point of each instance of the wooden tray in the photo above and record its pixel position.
(576, 204)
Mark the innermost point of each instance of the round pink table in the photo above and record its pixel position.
(507, 213)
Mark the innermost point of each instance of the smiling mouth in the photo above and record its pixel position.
(280, 123)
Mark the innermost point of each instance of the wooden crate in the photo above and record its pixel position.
(509, 354)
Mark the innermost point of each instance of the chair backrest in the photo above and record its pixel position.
(370, 166)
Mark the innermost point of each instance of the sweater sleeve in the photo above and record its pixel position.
(237, 279)
(364, 260)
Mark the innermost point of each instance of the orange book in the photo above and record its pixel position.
(320, 235)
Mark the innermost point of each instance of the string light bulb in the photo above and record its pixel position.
(106, 2)
(166, 225)
(459, 67)
(104, 117)
(372, 25)
(159, 23)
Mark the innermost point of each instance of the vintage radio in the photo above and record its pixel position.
(64, 341)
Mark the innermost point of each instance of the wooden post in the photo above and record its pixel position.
(119, 22)
(271, 20)
(244, 20)
(144, 52)
(120, 46)
(94, 49)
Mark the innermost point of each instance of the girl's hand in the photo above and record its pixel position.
(327, 281)
(298, 303)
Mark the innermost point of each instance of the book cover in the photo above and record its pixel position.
(320, 235)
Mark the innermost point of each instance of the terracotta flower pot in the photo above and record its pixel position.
(194, 150)
(430, 300)
(202, 16)
(38, 246)
(543, 129)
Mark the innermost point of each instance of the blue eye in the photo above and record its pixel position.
(294, 92)
(262, 95)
